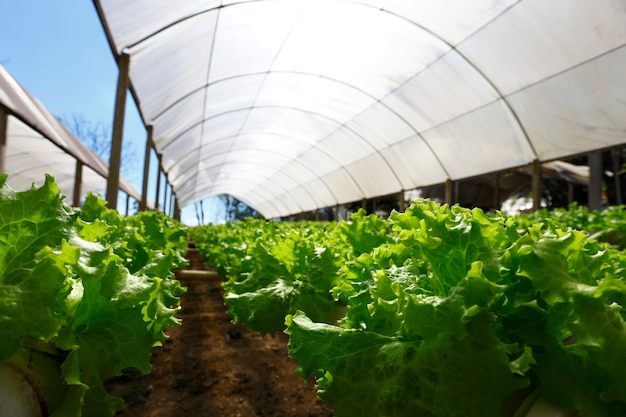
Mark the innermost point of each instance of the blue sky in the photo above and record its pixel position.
(58, 51)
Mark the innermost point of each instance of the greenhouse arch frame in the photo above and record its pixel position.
(296, 105)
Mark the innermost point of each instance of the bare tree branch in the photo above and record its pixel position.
(97, 137)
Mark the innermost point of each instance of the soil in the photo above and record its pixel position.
(211, 367)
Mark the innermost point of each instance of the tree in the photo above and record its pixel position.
(199, 206)
(97, 137)
(236, 209)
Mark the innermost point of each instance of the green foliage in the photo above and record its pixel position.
(98, 286)
(606, 225)
(272, 269)
(458, 311)
(449, 311)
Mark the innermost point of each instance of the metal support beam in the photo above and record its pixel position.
(115, 161)
(4, 133)
(143, 204)
(594, 191)
(78, 183)
(536, 185)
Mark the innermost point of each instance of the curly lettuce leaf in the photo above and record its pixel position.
(66, 281)
(540, 309)
(33, 277)
(365, 373)
(119, 318)
(292, 274)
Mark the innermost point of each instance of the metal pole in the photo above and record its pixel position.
(78, 183)
(113, 183)
(4, 133)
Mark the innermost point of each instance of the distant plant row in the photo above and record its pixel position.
(606, 225)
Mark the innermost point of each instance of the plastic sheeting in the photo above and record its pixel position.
(292, 105)
(38, 144)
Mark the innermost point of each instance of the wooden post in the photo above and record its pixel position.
(570, 193)
(78, 183)
(496, 194)
(536, 185)
(617, 159)
(4, 133)
(594, 190)
(158, 189)
(448, 192)
(115, 161)
(176, 210)
(143, 204)
(401, 207)
(165, 194)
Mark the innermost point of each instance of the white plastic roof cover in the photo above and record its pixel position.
(38, 144)
(291, 105)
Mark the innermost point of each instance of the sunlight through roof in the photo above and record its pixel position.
(293, 105)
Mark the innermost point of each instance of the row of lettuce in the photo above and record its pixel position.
(438, 311)
(92, 289)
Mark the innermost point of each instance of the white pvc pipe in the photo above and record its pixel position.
(17, 396)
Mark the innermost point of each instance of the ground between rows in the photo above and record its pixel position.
(212, 367)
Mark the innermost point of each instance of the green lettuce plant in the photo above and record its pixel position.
(71, 283)
(459, 313)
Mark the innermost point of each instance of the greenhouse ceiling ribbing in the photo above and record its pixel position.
(292, 105)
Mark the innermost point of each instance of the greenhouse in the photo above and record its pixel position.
(36, 143)
(296, 105)
(438, 231)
